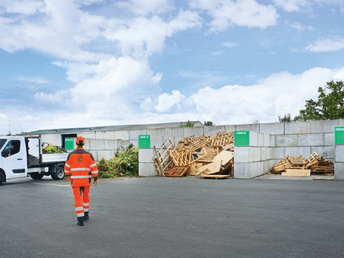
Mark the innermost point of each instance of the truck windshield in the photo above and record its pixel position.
(2, 142)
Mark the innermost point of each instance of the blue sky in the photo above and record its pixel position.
(79, 63)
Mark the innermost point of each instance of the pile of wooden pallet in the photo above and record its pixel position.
(199, 156)
(291, 166)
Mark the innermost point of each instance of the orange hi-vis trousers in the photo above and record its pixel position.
(82, 199)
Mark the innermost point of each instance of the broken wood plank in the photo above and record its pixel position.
(297, 172)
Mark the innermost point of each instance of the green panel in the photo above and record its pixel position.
(144, 141)
(242, 138)
(339, 135)
(69, 143)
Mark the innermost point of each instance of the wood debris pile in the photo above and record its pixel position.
(199, 156)
(314, 163)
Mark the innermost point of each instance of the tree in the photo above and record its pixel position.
(286, 118)
(330, 104)
(188, 124)
(208, 123)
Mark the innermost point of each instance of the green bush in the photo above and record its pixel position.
(123, 164)
(52, 149)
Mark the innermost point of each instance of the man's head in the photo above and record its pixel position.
(80, 141)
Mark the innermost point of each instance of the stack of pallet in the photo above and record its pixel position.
(199, 156)
(297, 166)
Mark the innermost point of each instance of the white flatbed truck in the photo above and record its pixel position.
(23, 156)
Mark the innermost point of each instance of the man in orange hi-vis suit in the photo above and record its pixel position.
(80, 167)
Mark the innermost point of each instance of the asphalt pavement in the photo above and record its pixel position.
(174, 217)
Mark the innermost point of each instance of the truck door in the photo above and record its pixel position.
(13, 157)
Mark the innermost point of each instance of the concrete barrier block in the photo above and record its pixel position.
(260, 139)
(106, 154)
(266, 166)
(270, 153)
(156, 132)
(339, 153)
(146, 155)
(272, 140)
(340, 122)
(272, 162)
(105, 135)
(272, 128)
(211, 130)
(122, 135)
(156, 141)
(311, 139)
(134, 134)
(279, 153)
(174, 132)
(263, 153)
(250, 127)
(189, 131)
(230, 128)
(254, 169)
(253, 138)
(241, 170)
(297, 127)
(110, 144)
(256, 154)
(89, 135)
(94, 154)
(97, 144)
(324, 126)
(242, 154)
(297, 151)
(286, 141)
(266, 140)
(339, 171)
(326, 152)
(147, 169)
(329, 139)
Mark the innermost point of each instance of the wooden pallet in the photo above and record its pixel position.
(182, 157)
(296, 160)
(176, 172)
(161, 159)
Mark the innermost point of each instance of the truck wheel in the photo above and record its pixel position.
(59, 174)
(36, 176)
(1, 178)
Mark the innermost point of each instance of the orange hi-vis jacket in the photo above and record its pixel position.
(80, 166)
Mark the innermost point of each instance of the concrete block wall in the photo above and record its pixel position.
(272, 142)
(256, 159)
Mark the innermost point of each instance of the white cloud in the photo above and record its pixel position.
(291, 5)
(229, 44)
(22, 7)
(246, 13)
(166, 101)
(300, 27)
(279, 94)
(34, 80)
(326, 45)
(144, 7)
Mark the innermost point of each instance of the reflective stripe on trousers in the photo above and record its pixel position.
(82, 199)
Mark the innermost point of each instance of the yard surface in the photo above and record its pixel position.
(174, 217)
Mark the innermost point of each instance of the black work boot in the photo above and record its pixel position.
(86, 218)
(80, 221)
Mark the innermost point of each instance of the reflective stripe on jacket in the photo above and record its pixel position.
(80, 166)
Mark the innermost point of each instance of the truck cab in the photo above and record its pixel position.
(13, 157)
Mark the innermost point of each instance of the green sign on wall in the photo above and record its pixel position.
(339, 135)
(144, 141)
(69, 143)
(241, 138)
